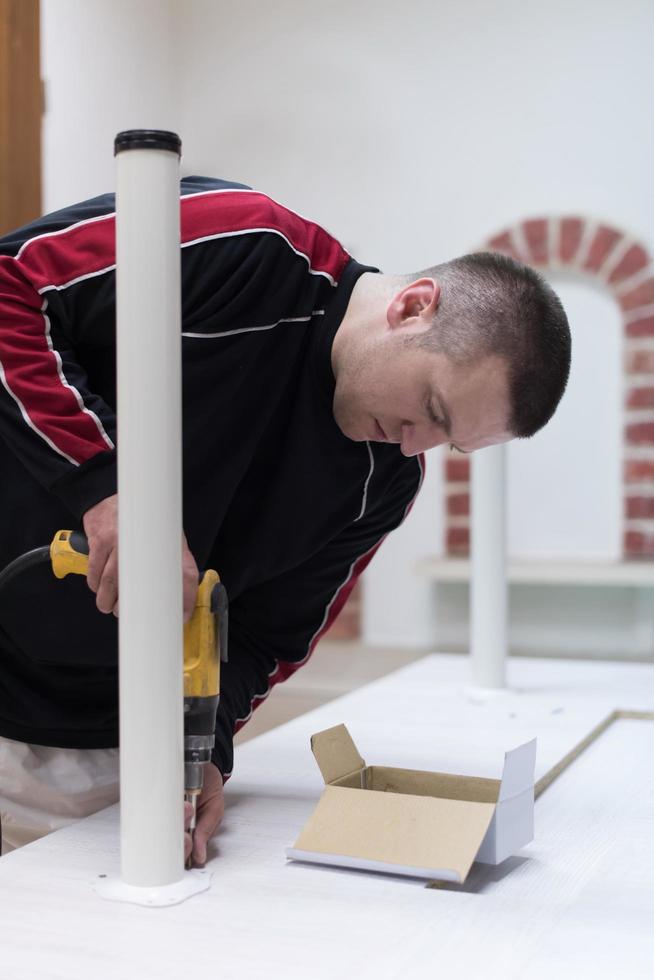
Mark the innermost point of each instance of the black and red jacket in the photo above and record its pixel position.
(276, 498)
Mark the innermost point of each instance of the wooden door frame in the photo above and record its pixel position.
(21, 111)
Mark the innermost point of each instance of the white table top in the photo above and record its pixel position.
(578, 902)
(613, 573)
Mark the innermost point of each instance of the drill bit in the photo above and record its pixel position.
(192, 798)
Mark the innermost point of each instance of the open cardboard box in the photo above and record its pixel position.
(405, 821)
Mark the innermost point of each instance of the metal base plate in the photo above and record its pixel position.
(114, 889)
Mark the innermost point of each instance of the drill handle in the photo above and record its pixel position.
(69, 554)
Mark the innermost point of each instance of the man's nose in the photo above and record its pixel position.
(418, 438)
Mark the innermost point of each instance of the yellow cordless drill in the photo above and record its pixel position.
(205, 645)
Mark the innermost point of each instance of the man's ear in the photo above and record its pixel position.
(414, 306)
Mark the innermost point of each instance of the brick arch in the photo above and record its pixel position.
(624, 266)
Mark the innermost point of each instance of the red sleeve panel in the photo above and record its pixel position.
(249, 212)
(58, 289)
(33, 376)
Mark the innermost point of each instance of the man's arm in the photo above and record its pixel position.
(50, 419)
(57, 427)
(247, 264)
(275, 626)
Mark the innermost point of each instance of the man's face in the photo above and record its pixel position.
(391, 391)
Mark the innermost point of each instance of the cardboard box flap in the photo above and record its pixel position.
(336, 753)
(437, 836)
(519, 769)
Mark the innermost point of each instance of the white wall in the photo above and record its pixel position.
(415, 129)
(565, 486)
(107, 65)
(411, 131)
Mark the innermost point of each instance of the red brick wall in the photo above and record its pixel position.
(624, 267)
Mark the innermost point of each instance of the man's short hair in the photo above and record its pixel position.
(491, 304)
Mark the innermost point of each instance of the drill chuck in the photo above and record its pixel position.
(197, 751)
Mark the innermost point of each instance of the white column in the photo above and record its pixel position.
(148, 310)
(488, 583)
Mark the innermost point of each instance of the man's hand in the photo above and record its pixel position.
(211, 806)
(101, 529)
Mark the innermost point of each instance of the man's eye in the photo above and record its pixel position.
(433, 416)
